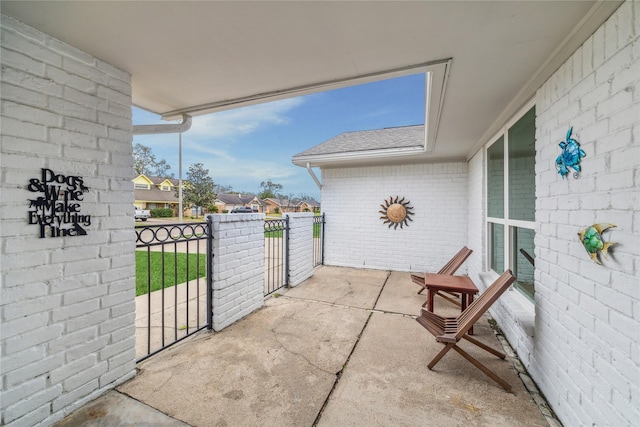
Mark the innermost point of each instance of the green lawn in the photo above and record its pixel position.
(317, 231)
(170, 261)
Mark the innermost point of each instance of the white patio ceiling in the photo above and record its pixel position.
(197, 57)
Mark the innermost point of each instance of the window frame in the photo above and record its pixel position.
(509, 225)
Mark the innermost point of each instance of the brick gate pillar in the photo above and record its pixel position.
(238, 267)
(300, 247)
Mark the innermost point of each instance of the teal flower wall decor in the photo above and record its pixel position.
(570, 156)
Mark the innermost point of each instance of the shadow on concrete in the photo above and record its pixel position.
(341, 349)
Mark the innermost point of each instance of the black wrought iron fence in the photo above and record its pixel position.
(276, 250)
(173, 289)
(318, 240)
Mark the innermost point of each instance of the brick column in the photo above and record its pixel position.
(300, 247)
(67, 299)
(238, 267)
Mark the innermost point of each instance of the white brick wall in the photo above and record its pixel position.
(355, 235)
(65, 301)
(300, 247)
(476, 226)
(238, 267)
(586, 354)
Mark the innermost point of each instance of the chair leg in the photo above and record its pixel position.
(439, 356)
(483, 368)
(484, 346)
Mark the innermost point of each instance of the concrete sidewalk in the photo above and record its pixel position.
(341, 349)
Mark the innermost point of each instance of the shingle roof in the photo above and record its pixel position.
(156, 195)
(158, 180)
(293, 202)
(236, 199)
(398, 137)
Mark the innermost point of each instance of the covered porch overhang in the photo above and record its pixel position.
(199, 57)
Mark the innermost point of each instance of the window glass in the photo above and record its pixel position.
(522, 186)
(523, 256)
(497, 247)
(511, 222)
(495, 179)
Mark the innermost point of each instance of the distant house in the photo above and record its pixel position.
(230, 201)
(291, 205)
(152, 192)
(308, 205)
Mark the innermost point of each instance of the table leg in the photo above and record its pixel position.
(430, 295)
(467, 302)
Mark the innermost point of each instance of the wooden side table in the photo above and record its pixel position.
(449, 283)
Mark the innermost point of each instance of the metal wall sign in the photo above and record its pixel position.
(57, 210)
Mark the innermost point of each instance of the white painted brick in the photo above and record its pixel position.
(78, 97)
(71, 109)
(87, 70)
(23, 129)
(114, 121)
(27, 405)
(88, 375)
(68, 398)
(84, 126)
(92, 319)
(67, 79)
(593, 302)
(424, 185)
(69, 51)
(51, 315)
(25, 373)
(25, 389)
(118, 374)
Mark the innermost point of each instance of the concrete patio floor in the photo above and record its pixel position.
(341, 349)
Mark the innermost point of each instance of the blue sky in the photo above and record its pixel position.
(245, 146)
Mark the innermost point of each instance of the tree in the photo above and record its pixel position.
(144, 162)
(305, 197)
(224, 189)
(269, 189)
(199, 188)
(162, 169)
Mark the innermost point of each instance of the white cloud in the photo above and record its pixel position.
(244, 120)
(207, 148)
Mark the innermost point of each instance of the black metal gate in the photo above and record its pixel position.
(318, 240)
(173, 287)
(276, 249)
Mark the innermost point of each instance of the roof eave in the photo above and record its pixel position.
(319, 160)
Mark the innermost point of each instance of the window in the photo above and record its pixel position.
(511, 201)
(166, 188)
(141, 186)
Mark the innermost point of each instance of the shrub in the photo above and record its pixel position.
(276, 210)
(225, 211)
(212, 209)
(161, 213)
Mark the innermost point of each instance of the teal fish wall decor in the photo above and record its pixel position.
(570, 156)
(591, 238)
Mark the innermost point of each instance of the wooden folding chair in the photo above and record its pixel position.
(449, 268)
(450, 330)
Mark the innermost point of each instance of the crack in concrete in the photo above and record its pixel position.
(292, 316)
(287, 349)
(353, 349)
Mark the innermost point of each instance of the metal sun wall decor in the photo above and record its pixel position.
(396, 212)
(591, 238)
(570, 156)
